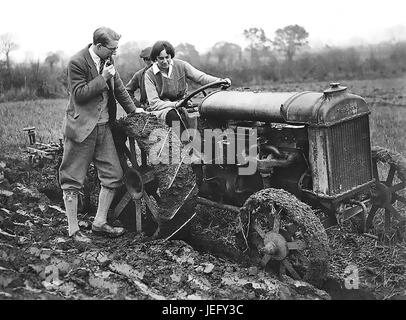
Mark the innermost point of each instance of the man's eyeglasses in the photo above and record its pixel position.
(146, 59)
(111, 49)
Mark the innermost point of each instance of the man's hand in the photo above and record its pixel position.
(140, 110)
(137, 110)
(108, 71)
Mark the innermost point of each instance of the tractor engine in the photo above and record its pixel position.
(314, 145)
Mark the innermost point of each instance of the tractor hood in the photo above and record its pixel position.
(333, 105)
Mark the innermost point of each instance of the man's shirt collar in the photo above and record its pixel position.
(95, 58)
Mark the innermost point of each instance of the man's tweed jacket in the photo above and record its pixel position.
(86, 88)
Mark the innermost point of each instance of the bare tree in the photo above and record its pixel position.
(7, 45)
(259, 43)
(188, 52)
(227, 53)
(128, 60)
(52, 58)
(290, 39)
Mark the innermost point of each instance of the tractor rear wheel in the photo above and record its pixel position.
(282, 232)
(389, 193)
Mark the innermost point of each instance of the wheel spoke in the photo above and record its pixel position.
(276, 221)
(291, 270)
(397, 187)
(371, 215)
(271, 216)
(398, 198)
(265, 259)
(282, 269)
(391, 174)
(387, 220)
(296, 245)
(375, 169)
(392, 211)
(258, 229)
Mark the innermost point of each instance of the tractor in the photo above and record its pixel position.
(289, 165)
(286, 165)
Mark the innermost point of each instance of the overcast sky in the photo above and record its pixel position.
(41, 26)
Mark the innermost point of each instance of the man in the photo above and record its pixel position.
(138, 82)
(94, 86)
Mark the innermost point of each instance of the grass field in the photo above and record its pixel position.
(45, 115)
(385, 97)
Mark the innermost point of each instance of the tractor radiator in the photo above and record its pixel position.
(341, 156)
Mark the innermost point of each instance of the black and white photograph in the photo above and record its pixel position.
(209, 157)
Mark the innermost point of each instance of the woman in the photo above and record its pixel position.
(165, 81)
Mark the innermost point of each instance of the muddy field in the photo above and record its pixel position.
(39, 261)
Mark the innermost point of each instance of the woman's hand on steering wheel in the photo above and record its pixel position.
(182, 103)
(224, 83)
(227, 84)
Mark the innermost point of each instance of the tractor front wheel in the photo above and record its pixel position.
(389, 193)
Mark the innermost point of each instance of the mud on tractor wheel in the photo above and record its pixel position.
(283, 232)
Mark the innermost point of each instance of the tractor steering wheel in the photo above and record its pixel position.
(223, 83)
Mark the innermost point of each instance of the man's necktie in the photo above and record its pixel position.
(102, 62)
